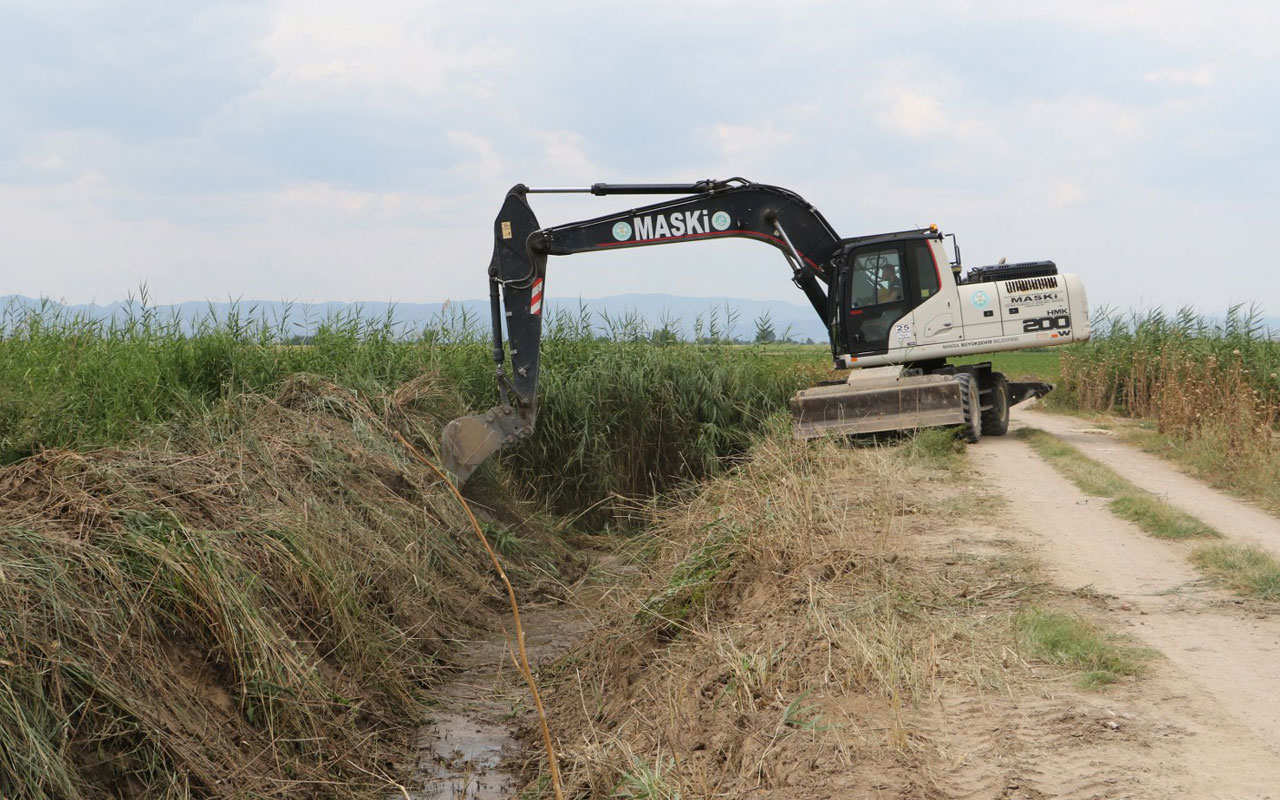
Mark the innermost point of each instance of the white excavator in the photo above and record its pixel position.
(895, 307)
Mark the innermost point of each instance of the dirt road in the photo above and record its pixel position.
(1215, 694)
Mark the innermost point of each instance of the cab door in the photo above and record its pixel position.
(937, 318)
(876, 295)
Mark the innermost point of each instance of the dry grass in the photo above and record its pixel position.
(798, 618)
(1211, 388)
(252, 606)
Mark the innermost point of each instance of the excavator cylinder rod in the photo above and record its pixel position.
(602, 189)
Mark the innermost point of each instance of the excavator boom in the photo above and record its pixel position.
(517, 277)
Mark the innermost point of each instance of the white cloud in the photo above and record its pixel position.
(379, 45)
(1095, 123)
(1246, 26)
(1202, 75)
(47, 163)
(915, 114)
(740, 141)
(486, 164)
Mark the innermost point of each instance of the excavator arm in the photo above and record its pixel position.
(707, 209)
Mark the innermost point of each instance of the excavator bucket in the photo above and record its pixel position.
(877, 405)
(467, 442)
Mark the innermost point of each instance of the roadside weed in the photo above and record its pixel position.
(1244, 569)
(1148, 512)
(1072, 641)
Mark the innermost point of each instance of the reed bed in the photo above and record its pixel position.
(621, 416)
(1210, 386)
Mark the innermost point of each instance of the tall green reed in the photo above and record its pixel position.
(626, 410)
(1211, 386)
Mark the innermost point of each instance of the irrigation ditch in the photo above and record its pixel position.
(472, 748)
(222, 575)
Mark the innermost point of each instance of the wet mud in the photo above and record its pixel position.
(469, 751)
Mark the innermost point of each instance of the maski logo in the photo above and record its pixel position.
(666, 226)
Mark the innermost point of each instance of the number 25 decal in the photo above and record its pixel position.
(1046, 324)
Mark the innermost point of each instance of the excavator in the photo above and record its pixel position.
(894, 305)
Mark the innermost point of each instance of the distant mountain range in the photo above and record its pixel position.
(687, 316)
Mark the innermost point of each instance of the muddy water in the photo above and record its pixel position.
(469, 751)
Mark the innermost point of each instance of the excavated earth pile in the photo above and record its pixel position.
(251, 603)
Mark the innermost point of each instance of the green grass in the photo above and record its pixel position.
(1243, 569)
(645, 781)
(1160, 519)
(1038, 364)
(941, 448)
(693, 577)
(1076, 643)
(1127, 501)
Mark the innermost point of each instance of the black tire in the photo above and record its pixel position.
(969, 405)
(995, 420)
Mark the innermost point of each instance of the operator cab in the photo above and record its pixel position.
(881, 279)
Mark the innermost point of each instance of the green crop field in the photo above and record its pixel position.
(1038, 364)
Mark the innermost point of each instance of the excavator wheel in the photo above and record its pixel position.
(995, 420)
(970, 406)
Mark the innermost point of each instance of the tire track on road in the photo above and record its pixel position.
(1220, 680)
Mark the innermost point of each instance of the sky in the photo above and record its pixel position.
(325, 150)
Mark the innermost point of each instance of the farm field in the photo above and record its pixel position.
(1039, 365)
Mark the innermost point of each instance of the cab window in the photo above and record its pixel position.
(876, 278)
(925, 270)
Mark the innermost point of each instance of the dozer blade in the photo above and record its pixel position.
(887, 404)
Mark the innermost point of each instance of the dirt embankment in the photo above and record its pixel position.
(838, 623)
(844, 623)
